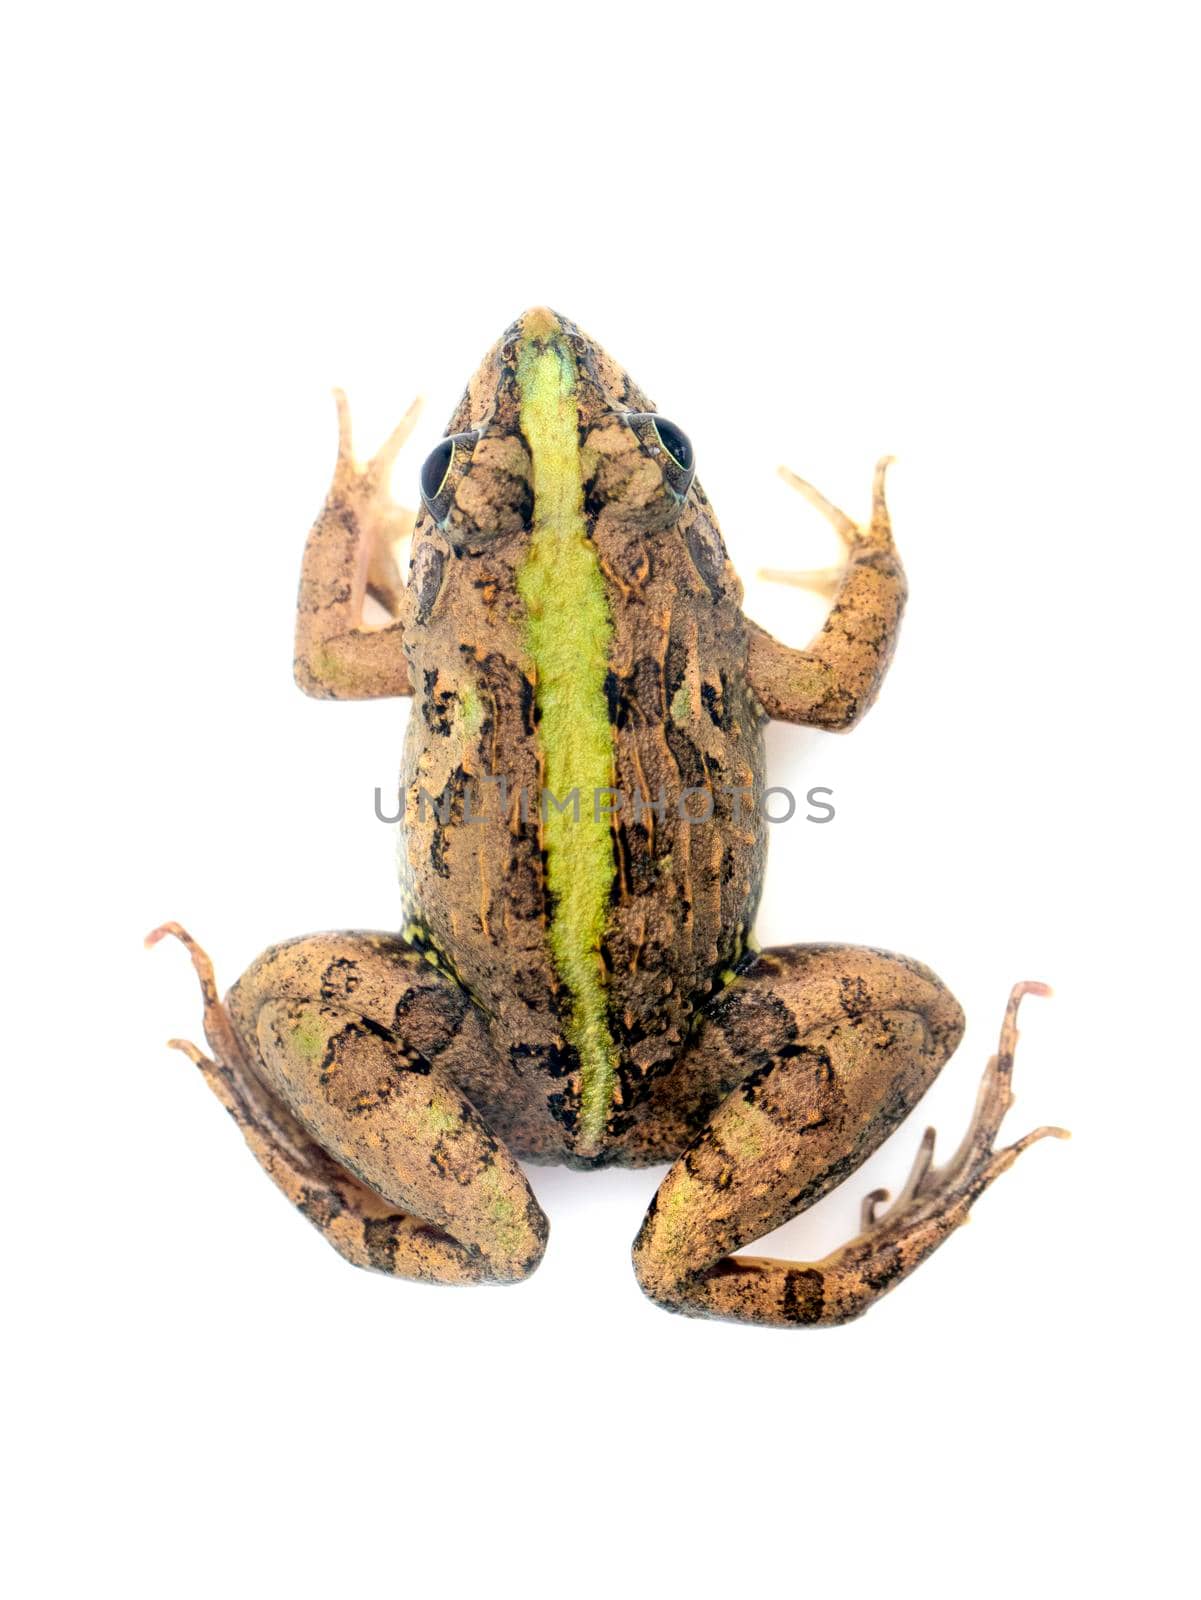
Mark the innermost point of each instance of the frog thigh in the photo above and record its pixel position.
(337, 1056)
(830, 1047)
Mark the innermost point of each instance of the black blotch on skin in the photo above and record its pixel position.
(447, 803)
(506, 684)
(757, 1024)
(717, 704)
(565, 1111)
(381, 1236)
(340, 979)
(855, 998)
(437, 705)
(804, 1295)
(320, 1206)
(527, 706)
(688, 758)
(438, 850)
(524, 879)
(883, 1267)
(429, 1018)
(615, 700)
(549, 1060)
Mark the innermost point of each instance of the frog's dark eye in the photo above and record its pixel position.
(671, 444)
(436, 469)
(441, 469)
(676, 442)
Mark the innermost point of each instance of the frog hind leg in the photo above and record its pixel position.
(842, 1043)
(338, 1057)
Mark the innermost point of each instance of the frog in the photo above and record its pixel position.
(576, 979)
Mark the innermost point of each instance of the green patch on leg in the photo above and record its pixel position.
(568, 631)
(743, 1130)
(330, 667)
(471, 711)
(678, 1205)
(813, 679)
(442, 1117)
(309, 1035)
(503, 1212)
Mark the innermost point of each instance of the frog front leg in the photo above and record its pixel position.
(840, 1044)
(350, 553)
(834, 681)
(340, 1056)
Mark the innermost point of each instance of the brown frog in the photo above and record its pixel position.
(582, 852)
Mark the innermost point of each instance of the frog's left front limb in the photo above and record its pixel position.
(339, 1057)
(840, 1044)
(834, 681)
(351, 553)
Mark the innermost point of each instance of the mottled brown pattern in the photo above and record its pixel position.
(388, 1083)
(683, 716)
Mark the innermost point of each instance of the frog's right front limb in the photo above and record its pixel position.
(351, 553)
(833, 682)
(338, 1056)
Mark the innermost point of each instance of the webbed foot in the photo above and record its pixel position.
(366, 491)
(876, 534)
(947, 1193)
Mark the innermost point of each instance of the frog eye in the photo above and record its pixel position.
(663, 438)
(676, 442)
(439, 472)
(436, 469)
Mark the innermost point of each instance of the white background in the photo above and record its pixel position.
(814, 234)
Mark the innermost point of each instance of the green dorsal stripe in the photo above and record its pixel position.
(568, 629)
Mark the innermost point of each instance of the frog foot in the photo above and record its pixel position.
(947, 1193)
(876, 534)
(365, 490)
(218, 1028)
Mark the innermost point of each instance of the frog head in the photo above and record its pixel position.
(550, 430)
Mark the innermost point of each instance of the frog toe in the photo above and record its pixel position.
(948, 1191)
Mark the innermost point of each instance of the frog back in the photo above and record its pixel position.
(581, 844)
